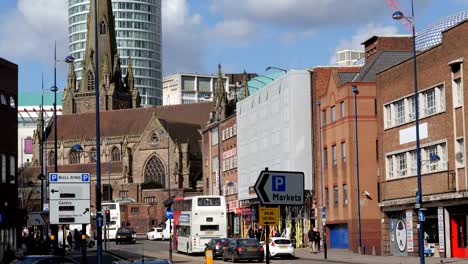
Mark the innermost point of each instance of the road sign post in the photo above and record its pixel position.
(277, 188)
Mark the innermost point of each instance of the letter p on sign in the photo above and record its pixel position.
(279, 183)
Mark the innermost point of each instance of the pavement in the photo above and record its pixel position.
(345, 256)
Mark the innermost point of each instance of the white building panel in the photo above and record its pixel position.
(274, 131)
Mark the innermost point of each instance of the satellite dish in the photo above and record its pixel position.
(459, 157)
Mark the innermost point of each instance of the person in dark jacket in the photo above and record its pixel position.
(70, 241)
(316, 237)
(251, 232)
(310, 235)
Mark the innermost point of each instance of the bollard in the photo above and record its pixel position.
(209, 256)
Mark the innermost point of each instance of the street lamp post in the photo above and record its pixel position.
(54, 88)
(324, 209)
(358, 192)
(398, 15)
(169, 187)
(98, 138)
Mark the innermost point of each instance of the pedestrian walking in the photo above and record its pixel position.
(310, 235)
(70, 241)
(77, 238)
(258, 234)
(316, 239)
(251, 232)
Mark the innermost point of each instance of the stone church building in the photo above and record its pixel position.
(142, 149)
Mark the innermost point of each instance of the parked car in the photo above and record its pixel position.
(90, 242)
(125, 235)
(217, 245)
(155, 233)
(281, 247)
(33, 259)
(244, 249)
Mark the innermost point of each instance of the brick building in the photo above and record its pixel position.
(442, 112)
(332, 87)
(11, 217)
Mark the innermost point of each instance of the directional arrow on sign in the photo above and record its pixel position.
(54, 191)
(280, 188)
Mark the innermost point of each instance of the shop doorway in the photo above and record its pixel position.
(459, 237)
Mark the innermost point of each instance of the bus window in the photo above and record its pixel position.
(183, 231)
(109, 207)
(209, 201)
(209, 228)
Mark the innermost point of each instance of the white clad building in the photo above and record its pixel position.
(274, 130)
(138, 33)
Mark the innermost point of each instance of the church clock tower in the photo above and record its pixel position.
(79, 96)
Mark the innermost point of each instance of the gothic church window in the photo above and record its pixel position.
(51, 158)
(92, 155)
(115, 154)
(102, 27)
(90, 81)
(155, 172)
(73, 158)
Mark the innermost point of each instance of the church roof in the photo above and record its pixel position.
(128, 121)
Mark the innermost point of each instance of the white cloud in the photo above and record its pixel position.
(300, 13)
(29, 31)
(363, 33)
(290, 37)
(237, 31)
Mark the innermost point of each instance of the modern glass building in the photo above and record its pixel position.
(138, 32)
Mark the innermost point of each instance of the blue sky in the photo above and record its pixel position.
(199, 34)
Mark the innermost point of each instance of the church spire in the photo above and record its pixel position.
(221, 104)
(245, 88)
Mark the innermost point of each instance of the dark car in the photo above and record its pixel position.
(217, 245)
(244, 249)
(125, 235)
(40, 259)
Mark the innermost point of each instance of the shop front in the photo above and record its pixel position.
(233, 218)
(458, 231)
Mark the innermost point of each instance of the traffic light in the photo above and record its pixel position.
(107, 216)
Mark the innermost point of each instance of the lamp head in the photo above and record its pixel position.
(54, 88)
(69, 59)
(77, 148)
(355, 90)
(398, 15)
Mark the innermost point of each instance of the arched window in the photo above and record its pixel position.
(90, 81)
(155, 172)
(102, 27)
(51, 158)
(73, 157)
(115, 154)
(92, 155)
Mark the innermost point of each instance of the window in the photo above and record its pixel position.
(327, 198)
(334, 155)
(430, 105)
(411, 109)
(388, 115)
(3, 168)
(342, 109)
(345, 194)
(123, 194)
(324, 117)
(458, 92)
(92, 155)
(3, 99)
(400, 112)
(155, 172)
(401, 163)
(12, 102)
(224, 134)
(325, 157)
(73, 157)
(115, 154)
(343, 152)
(214, 136)
(102, 27)
(460, 152)
(90, 81)
(332, 112)
(51, 158)
(406, 162)
(234, 130)
(135, 210)
(209, 202)
(335, 196)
